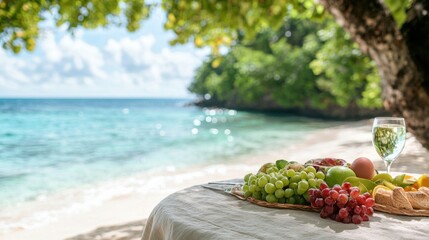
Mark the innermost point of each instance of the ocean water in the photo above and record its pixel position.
(51, 145)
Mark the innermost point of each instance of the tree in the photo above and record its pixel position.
(400, 50)
(394, 33)
(304, 66)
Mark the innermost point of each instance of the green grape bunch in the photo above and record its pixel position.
(282, 182)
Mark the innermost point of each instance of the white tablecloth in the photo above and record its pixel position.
(200, 213)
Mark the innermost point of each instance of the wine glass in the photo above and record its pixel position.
(388, 138)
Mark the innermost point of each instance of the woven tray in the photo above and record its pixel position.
(239, 194)
(403, 212)
(378, 207)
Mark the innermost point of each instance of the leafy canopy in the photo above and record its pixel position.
(20, 19)
(211, 23)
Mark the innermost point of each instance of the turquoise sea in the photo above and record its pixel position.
(50, 145)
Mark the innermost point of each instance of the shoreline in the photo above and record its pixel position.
(137, 195)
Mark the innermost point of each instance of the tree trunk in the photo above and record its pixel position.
(401, 60)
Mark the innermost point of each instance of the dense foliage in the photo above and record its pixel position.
(295, 66)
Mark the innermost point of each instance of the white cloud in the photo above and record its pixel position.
(72, 57)
(120, 67)
(137, 58)
(50, 48)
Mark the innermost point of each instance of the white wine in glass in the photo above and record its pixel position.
(388, 138)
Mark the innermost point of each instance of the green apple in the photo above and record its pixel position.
(337, 174)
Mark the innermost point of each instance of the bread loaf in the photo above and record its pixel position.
(425, 190)
(383, 197)
(400, 200)
(418, 199)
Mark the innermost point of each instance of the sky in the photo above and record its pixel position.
(102, 63)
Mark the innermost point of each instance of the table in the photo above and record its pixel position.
(200, 213)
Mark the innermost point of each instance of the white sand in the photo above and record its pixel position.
(135, 197)
(128, 206)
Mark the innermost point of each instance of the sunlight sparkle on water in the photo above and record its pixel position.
(232, 112)
(214, 131)
(197, 122)
(212, 112)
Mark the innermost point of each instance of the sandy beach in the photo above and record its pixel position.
(122, 215)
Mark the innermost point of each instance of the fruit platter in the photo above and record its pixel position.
(347, 193)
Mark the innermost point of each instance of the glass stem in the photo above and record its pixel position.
(388, 164)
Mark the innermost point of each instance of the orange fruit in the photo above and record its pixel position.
(423, 181)
(409, 178)
(410, 189)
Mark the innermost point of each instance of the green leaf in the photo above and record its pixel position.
(398, 8)
(281, 163)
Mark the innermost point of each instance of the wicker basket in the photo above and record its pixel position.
(236, 191)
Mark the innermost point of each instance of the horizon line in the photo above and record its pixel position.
(95, 97)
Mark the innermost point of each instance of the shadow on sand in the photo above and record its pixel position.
(128, 231)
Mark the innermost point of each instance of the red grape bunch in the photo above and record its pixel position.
(342, 203)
